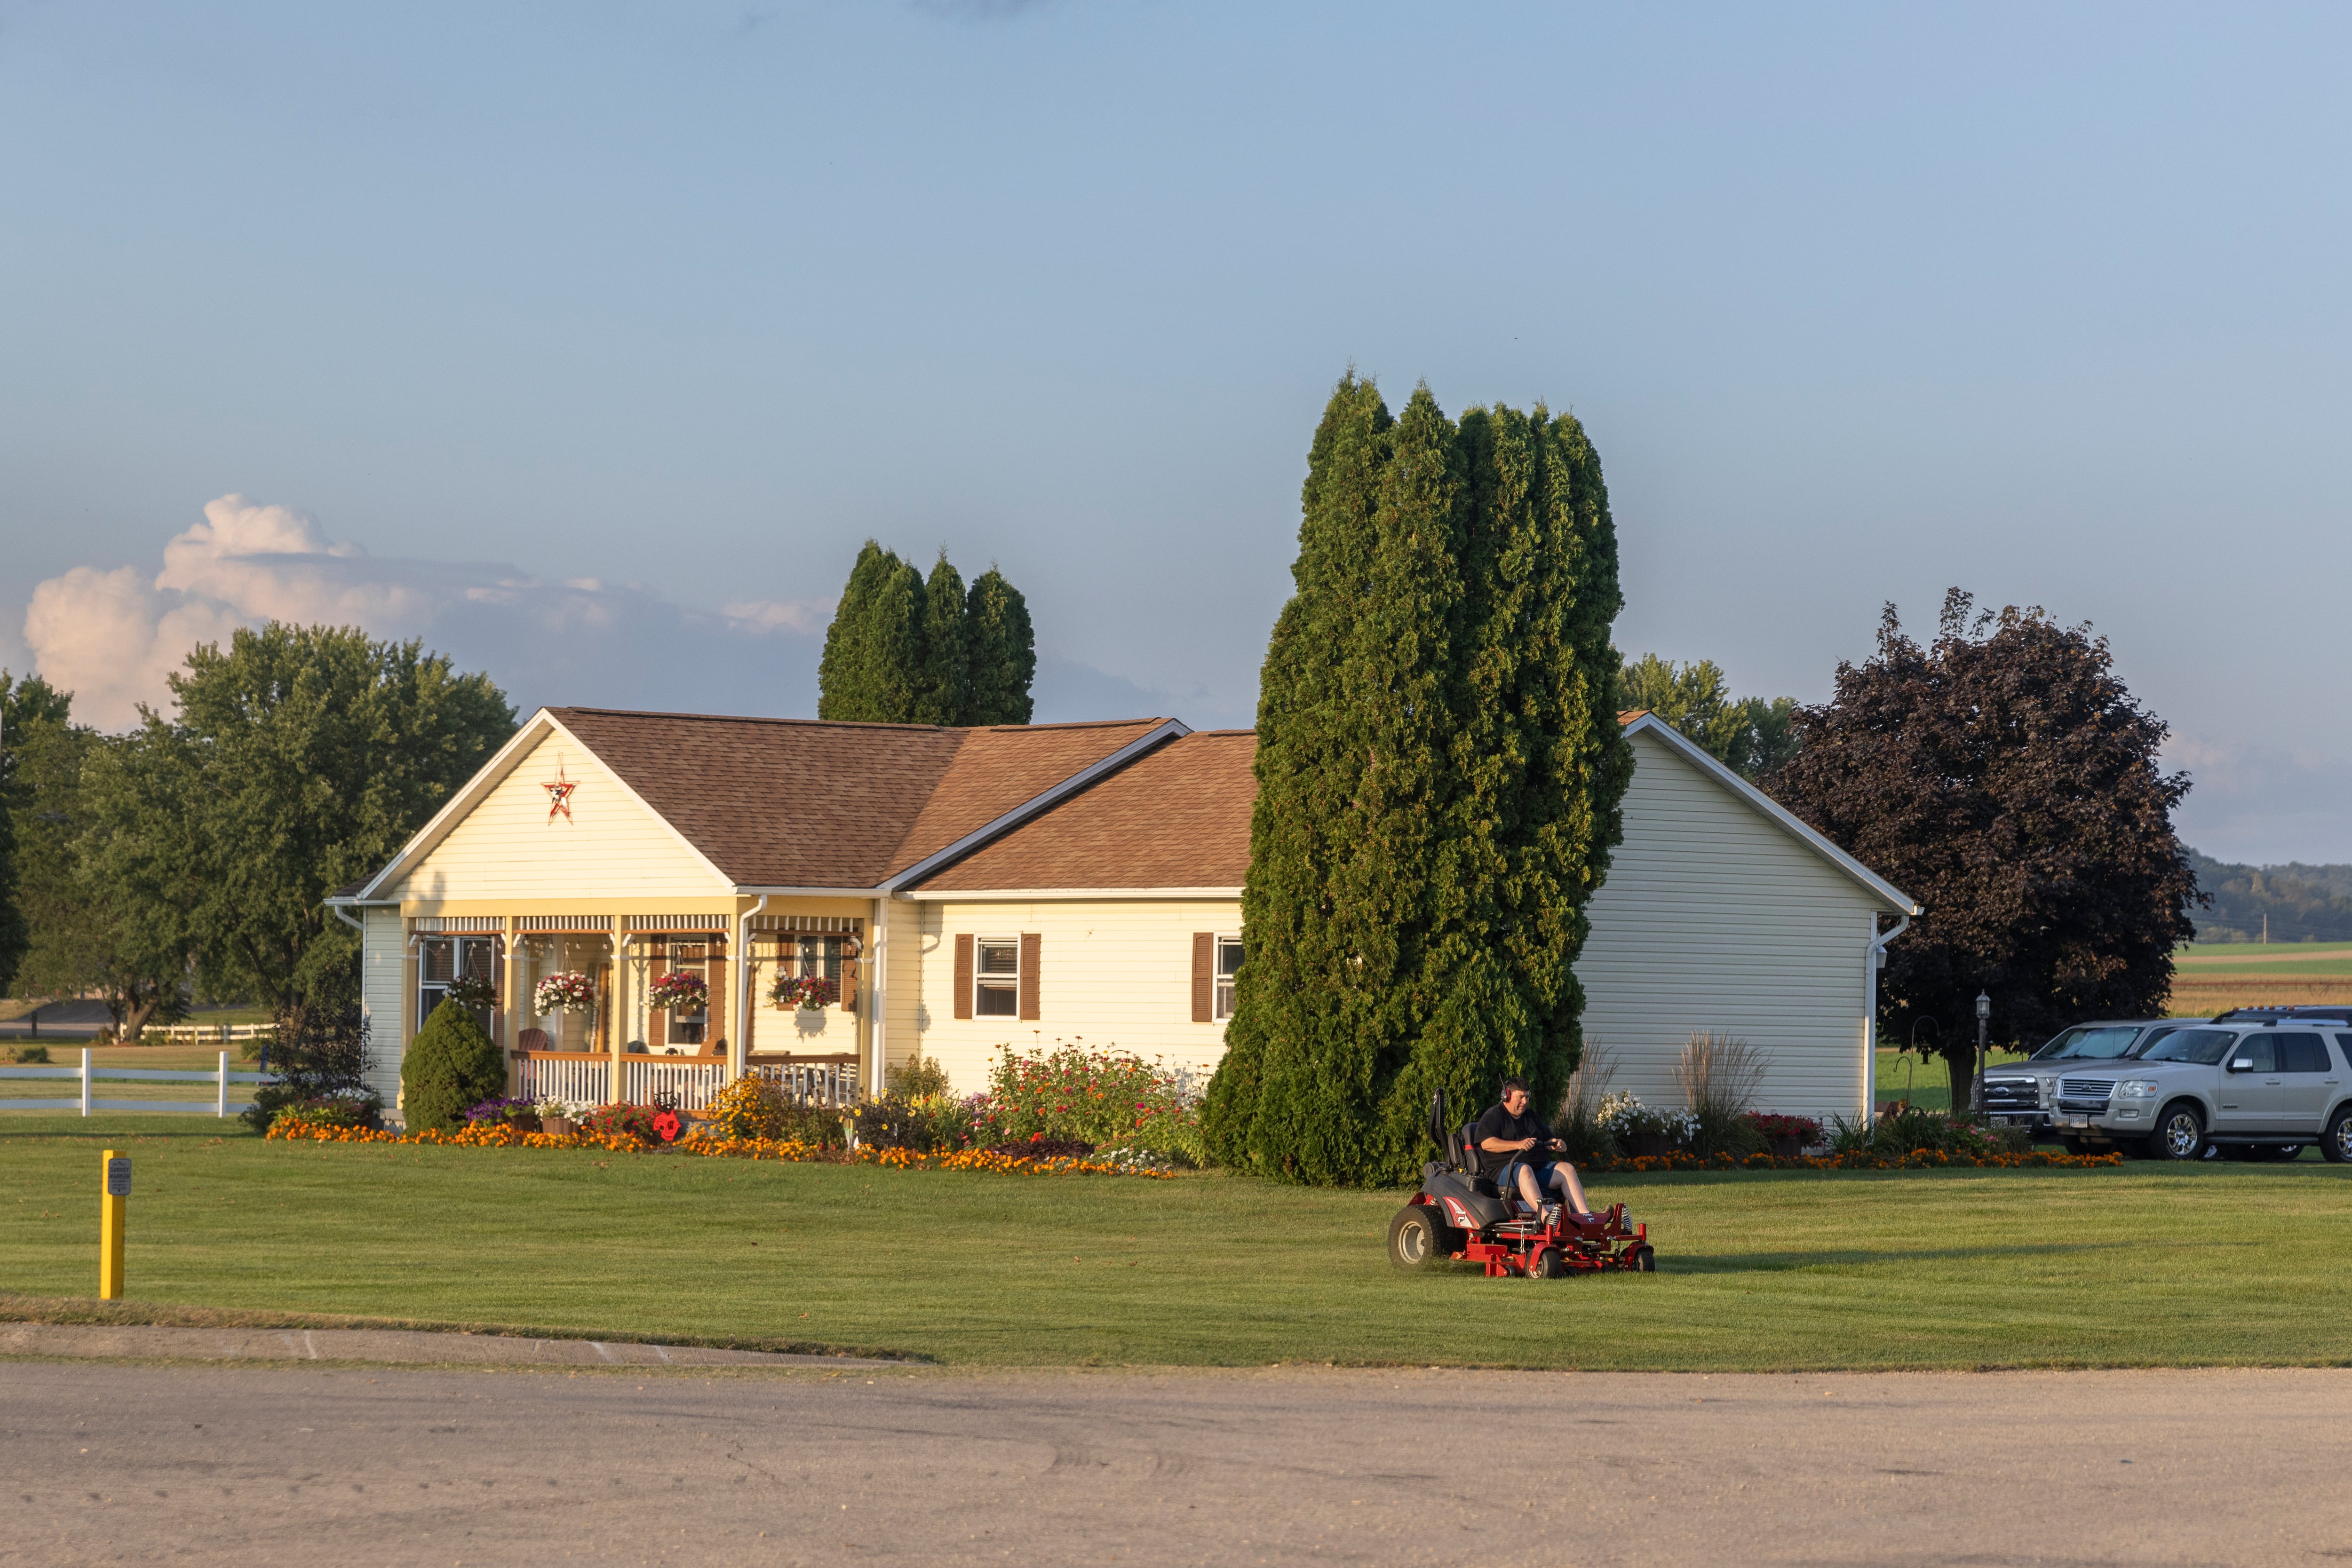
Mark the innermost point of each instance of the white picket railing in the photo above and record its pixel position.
(689, 1082)
(86, 1075)
(833, 1083)
(576, 1078)
(198, 1033)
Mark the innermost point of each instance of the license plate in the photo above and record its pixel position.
(2080, 1121)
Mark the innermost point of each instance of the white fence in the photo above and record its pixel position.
(688, 1084)
(578, 1079)
(812, 1082)
(86, 1075)
(198, 1033)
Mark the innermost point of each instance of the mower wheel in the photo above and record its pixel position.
(2336, 1144)
(1418, 1240)
(1642, 1261)
(1545, 1264)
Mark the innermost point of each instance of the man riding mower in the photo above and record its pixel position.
(1489, 1202)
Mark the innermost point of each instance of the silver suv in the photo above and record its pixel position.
(2022, 1093)
(2253, 1088)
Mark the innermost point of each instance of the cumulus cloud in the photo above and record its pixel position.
(112, 637)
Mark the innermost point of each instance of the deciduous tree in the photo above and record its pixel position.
(1750, 735)
(2004, 777)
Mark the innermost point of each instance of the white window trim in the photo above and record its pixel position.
(982, 978)
(1218, 1012)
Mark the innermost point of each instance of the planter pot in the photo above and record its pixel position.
(558, 1126)
(1651, 1146)
(1788, 1148)
(524, 1124)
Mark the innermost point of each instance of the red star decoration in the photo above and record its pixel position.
(559, 794)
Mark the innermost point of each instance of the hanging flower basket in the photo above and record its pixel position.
(474, 993)
(805, 991)
(679, 990)
(571, 992)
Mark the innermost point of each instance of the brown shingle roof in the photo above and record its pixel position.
(1178, 817)
(779, 802)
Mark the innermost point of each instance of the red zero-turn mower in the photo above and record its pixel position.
(1459, 1216)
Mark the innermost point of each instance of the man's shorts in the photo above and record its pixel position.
(1506, 1180)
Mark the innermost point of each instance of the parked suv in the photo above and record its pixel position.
(2022, 1093)
(2258, 1087)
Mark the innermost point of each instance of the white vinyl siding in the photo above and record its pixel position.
(383, 986)
(507, 848)
(1115, 973)
(1715, 917)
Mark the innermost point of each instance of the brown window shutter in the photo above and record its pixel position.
(1204, 977)
(849, 982)
(963, 976)
(714, 974)
(1029, 942)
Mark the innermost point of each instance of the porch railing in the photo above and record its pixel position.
(586, 1078)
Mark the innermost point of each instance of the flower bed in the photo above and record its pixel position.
(506, 1135)
(1915, 1160)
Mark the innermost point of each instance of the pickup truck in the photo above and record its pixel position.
(2024, 1093)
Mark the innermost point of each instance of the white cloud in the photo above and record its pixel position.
(2264, 804)
(111, 638)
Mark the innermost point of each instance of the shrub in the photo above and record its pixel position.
(1098, 1097)
(450, 1065)
(916, 1078)
(32, 1053)
(1767, 1127)
(750, 1107)
(928, 1125)
(1577, 1124)
(316, 1053)
(1718, 1076)
(1175, 1138)
(1939, 1132)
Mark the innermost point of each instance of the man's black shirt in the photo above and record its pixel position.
(1504, 1127)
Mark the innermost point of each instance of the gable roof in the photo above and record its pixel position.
(1178, 819)
(770, 803)
(1640, 721)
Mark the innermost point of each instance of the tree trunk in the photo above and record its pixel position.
(1963, 1067)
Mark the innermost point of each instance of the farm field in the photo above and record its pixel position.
(2140, 1264)
(2211, 975)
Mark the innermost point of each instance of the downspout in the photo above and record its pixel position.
(739, 1035)
(338, 911)
(1873, 958)
(878, 945)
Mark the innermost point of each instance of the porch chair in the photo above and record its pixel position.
(533, 1040)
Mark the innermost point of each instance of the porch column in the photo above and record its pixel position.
(514, 1015)
(616, 1027)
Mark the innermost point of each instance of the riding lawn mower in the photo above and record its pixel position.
(1459, 1216)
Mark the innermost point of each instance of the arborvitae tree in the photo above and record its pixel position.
(1003, 649)
(448, 1069)
(904, 651)
(845, 676)
(1438, 768)
(943, 671)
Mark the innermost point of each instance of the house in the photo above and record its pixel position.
(953, 892)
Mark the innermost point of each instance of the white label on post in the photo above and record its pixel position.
(118, 1177)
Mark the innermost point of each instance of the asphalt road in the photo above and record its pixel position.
(111, 1463)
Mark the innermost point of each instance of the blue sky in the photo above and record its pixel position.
(589, 342)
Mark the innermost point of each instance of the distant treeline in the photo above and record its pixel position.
(2304, 903)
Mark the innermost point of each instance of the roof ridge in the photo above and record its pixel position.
(862, 723)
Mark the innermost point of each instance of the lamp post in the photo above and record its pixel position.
(1984, 1012)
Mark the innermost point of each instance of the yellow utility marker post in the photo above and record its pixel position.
(113, 1204)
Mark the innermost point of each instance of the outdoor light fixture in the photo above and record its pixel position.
(1984, 1011)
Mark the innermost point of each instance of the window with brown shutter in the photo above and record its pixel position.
(963, 976)
(1029, 944)
(1204, 976)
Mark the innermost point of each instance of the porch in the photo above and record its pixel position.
(585, 1078)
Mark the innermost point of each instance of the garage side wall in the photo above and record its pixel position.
(1113, 974)
(1715, 917)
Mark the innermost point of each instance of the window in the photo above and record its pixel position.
(1229, 965)
(2203, 1046)
(441, 961)
(2302, 1053)
(2258, 1049)
(687, 1024)
(996, 985)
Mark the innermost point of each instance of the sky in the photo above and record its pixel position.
(589, 342)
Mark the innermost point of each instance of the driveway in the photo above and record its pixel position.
(370, 1464)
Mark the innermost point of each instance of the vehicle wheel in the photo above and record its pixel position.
(2180, 1134)
(2336, 1144)
(1545, 1264)
(2075, 1145)
(1642, 1261)
(1416, 1241)
(2279, 1154)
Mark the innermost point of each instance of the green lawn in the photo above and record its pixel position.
(1926, 1081)
(2142, 1264)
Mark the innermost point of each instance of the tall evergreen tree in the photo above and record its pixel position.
(943, 671)
(1438, 772)
(845, 676)
(902, 650)
(1004, 651)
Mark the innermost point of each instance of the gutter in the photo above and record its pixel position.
(739, 1044)
(1874, 959)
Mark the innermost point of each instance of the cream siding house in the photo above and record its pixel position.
(959, 892)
